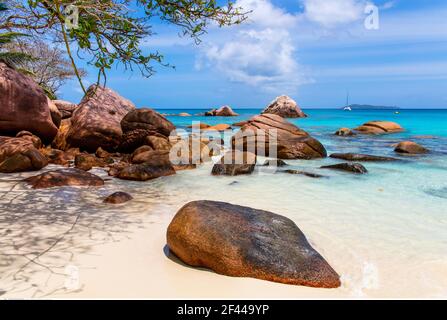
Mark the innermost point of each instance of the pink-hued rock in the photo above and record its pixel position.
(97, 120)
(21, 153)
(379, 127)
(244, 242)
(24, 106)
(291, 141)
(224, 111)
(285, 107)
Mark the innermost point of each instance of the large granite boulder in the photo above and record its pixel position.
(244, 242)
(234, 163)
(65, 108)
(146, 118)
(24, 106)
(21, 153)
(409, 147)
(96, 121)
(285, 107)
(291, 141)
(145, 127)
(379, 127)
(154, 164)
(64, 177)
(224, 111)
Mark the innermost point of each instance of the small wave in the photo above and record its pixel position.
(438, 193)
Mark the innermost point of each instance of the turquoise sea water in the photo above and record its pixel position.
(383, 232)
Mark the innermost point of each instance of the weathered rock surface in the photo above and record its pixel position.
(146, 118)
(21, 154)
(86, 161)
(56, 115)
(344, 132)
(96, 121)
(56, 156)
(379, 127)
(118, 197)
(244, 242)
(409, 147)
(199, 125)
(23, 106)
(65, 108)
(348, 167)
(151, 165)
(285, 107)
(361, 157)
(218, 127)
(235, 163)
(291, 141)
(60, 141)
(239, 124)
(224, 111)
(64, 177)
(144, 172)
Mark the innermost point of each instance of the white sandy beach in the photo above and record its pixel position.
(120, 251)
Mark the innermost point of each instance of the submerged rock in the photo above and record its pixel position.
(244, 242)
(348, 167)
(291, 141)
(410, 147)
(235, 163)
(64, 177)
(118, 197)
(361, 157)
(275, 163)
(285, 107)
(305, 173)
(24, 106)
(379, 127)
(344, 132)
(96, 121)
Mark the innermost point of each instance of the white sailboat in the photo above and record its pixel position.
(347, 108)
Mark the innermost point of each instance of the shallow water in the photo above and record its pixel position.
(384, 232)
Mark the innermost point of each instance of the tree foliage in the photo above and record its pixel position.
(49, 67)
(11, 57)
(110, 32)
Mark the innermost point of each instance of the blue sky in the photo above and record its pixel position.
(312, 50)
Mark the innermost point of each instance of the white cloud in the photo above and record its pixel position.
(331, 13)
(261, 53)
